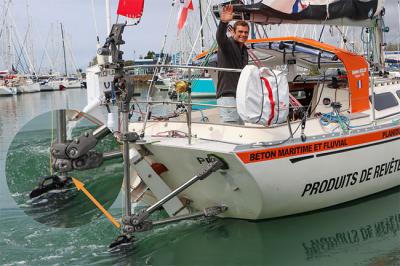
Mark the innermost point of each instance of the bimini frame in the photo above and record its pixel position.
(356, 65)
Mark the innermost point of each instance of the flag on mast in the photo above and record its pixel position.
(186, 5)
(299, 6)
(130, 8)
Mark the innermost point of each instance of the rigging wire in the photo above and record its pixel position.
(157, 69)
(19, 51)
(68, 45)
(5, 17)
(199, 33)
(30, 65)
(95, 23)
(322, 31)
(43, 54)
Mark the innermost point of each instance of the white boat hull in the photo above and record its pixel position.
(46, 87)
(54, 84)
(259, 185)
(28, 88)
(72, 84)
(6, 91)
(64, 84)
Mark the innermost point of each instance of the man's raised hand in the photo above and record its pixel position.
(227, 13)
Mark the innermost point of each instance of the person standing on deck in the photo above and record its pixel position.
(232, 53)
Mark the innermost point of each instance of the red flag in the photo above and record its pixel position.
(186, 5)
(130, 8)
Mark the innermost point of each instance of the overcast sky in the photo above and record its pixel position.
(77, 19)
(79, 25)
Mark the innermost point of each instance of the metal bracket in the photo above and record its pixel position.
(126, 240)
(77, 154)
(138, 221)
(130, 137)
(89, 160)
(147, 225)
(81, 145)
(62, 165)
(303, 125)
(58, 150)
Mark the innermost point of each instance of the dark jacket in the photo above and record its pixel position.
(230, 55)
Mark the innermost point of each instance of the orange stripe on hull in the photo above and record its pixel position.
(315, 147)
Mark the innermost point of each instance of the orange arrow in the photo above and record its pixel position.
(80, 186)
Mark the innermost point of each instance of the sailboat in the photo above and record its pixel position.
(337, 149)
(18, 82)
(5, 89)
(308, 142)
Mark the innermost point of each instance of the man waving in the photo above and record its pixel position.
(232, 53)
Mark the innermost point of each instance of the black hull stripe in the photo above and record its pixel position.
(299, 159)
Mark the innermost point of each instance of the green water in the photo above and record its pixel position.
(67, 207)
(364, 232)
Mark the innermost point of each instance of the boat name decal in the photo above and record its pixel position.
(314, 147)
(351, 179)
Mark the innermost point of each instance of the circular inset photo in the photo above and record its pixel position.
(61, 166)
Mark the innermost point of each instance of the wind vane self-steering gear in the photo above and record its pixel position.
(71, 155)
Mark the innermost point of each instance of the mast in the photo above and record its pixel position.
(108, 24)
(53, 53)
(9, 45)
(4, 32)
(29, 41)
(65, 59)
(8, 51)
(108, 16)
(201, 29)
(252, 29)
(12, 57)
(398, 41)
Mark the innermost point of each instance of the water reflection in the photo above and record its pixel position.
(363, 232)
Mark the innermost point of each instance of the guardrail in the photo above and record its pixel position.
(189, 104)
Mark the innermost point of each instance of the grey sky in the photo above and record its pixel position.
(77, 19)
(76, 16)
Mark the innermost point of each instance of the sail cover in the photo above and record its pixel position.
(338, 12)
